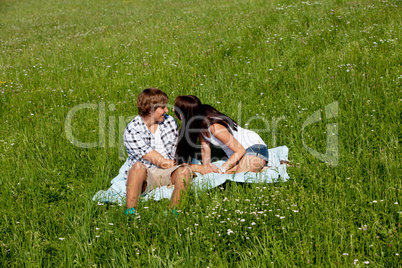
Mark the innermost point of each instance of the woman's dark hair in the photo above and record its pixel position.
(196, 117)
(187, 109)
(213, 116)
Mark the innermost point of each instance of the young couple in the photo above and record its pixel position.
(159, 156)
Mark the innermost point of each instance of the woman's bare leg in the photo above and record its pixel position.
(250, 163)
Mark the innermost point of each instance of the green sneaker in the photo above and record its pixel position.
(130, 211)
(175, 213)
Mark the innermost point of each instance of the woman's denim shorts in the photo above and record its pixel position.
(259, 150)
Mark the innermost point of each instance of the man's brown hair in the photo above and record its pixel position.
(150, 99)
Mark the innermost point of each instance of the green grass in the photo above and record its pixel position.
(259, 62)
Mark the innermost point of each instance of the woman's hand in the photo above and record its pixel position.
(209, 168)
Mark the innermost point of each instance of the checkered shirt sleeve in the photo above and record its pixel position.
(138, 138)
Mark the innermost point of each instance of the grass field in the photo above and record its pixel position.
(270, 65)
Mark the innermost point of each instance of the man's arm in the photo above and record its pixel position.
(157, 159)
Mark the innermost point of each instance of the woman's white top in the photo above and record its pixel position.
(159, 146)
(245, 137)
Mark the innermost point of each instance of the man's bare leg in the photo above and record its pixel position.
(136, 178)
(181, 179)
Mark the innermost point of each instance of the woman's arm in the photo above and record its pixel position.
(208, 167)
(205, 150)
(221, 133)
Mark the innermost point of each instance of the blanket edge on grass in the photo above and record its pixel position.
(277, 172)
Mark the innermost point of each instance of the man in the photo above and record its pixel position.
(151, 140)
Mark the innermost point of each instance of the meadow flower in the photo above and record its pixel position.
(366, 262)
(345, 254)
(230, 232)
(61, 238)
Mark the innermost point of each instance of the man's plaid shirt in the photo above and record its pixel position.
(137, 139)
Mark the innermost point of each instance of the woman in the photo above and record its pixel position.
(245, 149)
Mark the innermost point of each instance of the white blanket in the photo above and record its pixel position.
(277, 172)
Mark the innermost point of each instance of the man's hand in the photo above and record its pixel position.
(167, 163)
